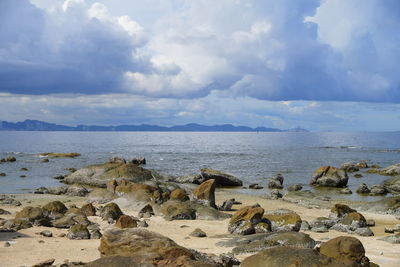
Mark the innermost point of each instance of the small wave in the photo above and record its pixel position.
(350, 147)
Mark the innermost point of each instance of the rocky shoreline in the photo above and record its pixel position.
(122, 214)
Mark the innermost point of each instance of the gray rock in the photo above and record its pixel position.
(350, 167)
(276, 182)
(330, 177)
(363, 189)
(222, 179)
(364, 231)
(78, 231)
(295, 187)
(370, 222)
(346, 190)
(377, 190)
(275, 194)
(255, 186)
(96, 234)
(305, 226)
(394, 239)
(46, 233)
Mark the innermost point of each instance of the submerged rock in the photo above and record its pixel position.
(295, 187)
(363, 189)
(329, 176)
(60, 155)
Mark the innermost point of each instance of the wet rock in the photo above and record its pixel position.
(46, 263)
(77, 191)
(221, 179)
(344, 248)
(70, 169)
(198, 233)
(346, 190)
(45, 160)
(146, 212)
(358, 175)
(125, 221)
(255, 186)
(58, 177)
(3, 174)
(392, 185)
(205, 193)
(330, 177)
(287, 256)
(147, 247)
(394, 239)
(276, 182)
(88, 210)
(41, 190)
(275, 194)
(23, 169)
(363, 189)
(295, 187)
(22, 176)
(350, 167)
(244, 220)
(283, 220)
(179, 194)
(111, 210)
(60, 155)
(78, 231)
(46, 233)
(8, 159)
(54, 206)
(378, 190)
(139, 161)
(392, 170)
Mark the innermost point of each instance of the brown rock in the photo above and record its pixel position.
(283, 220)
(205, 193)
(125, 221)
(344, 248)
(30, 213)
(110, 211)
(243, 221)
(340, 210)
(45, 263)
(179, 194)
(88, 210)
(329, 176)
(55, 206)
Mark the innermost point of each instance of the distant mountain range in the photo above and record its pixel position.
(34, 125)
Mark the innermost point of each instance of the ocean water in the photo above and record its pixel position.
(252, 157)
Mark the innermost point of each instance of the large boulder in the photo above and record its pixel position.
(147, 247)
(222, 179)
(289, 256)
(54, 207)
(125, 221)
(392, 170)
(344, 248)
(98, 175)
(340, 210)
(283, 220)
(178, 194)
(244, 221)
(276, 182)
(392, 185)
(329, 176)
(205, 193)
(78, 231)
(189, 210)
(30, 213)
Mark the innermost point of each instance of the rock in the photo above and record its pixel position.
(345, 190)
(275, 194)
(350, 167)
(364, 231)
(116, 261)
(4, 212)
(142, 224)
(64, 222)
(340, 210)
(59, 155)
(283, 220)
(244, 220)
(227, 205)
(329, 176)
(354, 219)
(88, 210)
(45, 160)
(111, 210)
(139, 161)
(394, 239)
(5, 199)
(59, 177)
(7, 244)
(363, 189)
(358, 175)
(147, 247)
(30, 213)
(46, 233)
(321, 224)
(146, 212)
(258, 242)
(54, 206)
(125, 221)
(295, 187)
(78, 231)
(276, 182)
(70, 169)
(198, 233)
(17, 224)
(389, 230)
(205, 193)
(98, 175)
(77, 191)
(96, 234)
(287, 256)
(22, 176)
(370, 222)
(23, 169)
(60, 190)
(392, 170)
(262, 227)
(377, 190)
(255, 186)
(46, 263)
(8, 159)
(3, 174)
(392, 185)
(179, 194)
(177, 210)
(344, 248)
(305, 226)
(221, 179)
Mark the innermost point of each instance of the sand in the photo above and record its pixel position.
(28, 247)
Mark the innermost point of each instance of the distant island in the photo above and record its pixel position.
(35, 125)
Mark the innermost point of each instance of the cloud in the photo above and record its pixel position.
(75, 48)
(269, 50)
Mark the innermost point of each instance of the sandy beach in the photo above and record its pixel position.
(28, 247)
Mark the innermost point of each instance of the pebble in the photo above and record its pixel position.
(46, 233)
(7, 244)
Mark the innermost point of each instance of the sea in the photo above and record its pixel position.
(253, 157)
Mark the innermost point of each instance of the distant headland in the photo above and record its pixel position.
(35, 125)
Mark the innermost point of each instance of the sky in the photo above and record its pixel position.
(324, 65)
